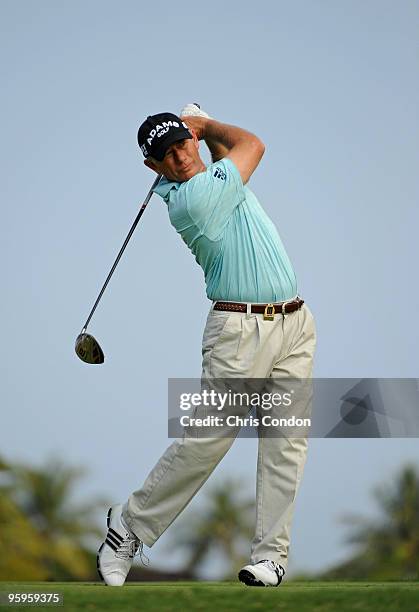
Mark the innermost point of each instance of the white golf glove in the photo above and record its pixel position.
(192, 110)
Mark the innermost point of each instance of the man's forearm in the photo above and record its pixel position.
(217, 150)
(243, 148)
(220, 138)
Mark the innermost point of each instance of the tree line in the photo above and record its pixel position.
(46, 535)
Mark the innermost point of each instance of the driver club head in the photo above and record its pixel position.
(88, 349)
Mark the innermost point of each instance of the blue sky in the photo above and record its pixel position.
(332, 90)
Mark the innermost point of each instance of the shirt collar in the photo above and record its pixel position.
(164, 186)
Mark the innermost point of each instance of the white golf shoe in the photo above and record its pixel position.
(116, 554)
(263, 573)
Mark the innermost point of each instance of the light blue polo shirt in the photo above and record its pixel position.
(231, 236)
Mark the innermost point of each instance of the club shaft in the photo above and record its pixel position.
(134, 225)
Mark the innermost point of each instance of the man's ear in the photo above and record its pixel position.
(195, 137)
(150, 164)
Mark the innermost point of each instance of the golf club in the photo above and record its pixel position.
(87, 347)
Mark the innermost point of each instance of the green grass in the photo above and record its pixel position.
(228, 596)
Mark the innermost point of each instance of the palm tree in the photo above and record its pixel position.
(388, 547)
(21, 545)
(225, 526)
(45, 496)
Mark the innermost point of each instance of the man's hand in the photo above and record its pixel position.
(193, 110)
(243, 148)
(197, 124)
(189, 113)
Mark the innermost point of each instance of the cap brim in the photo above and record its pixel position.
(169, 140)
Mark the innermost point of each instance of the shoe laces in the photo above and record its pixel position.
(273, 566)
(130, 548)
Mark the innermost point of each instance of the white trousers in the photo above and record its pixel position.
(245, 346)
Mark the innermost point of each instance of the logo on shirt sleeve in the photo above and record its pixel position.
(220, 174)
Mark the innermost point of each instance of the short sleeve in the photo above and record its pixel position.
(210, 197)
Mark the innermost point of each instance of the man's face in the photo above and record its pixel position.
(181, 161)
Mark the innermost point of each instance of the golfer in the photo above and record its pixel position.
(257, 327)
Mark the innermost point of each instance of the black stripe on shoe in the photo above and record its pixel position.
(113, 539)
(98, 564)
(117, 536)
(279, 575)
(111, 544)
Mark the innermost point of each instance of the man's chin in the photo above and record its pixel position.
(184, 175)
(187, 174)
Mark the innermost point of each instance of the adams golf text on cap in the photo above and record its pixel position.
(158, 132)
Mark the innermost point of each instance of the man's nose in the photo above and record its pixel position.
(180, 156)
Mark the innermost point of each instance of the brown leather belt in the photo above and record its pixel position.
(268, 310)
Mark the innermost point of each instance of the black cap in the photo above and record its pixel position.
(158, 132)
